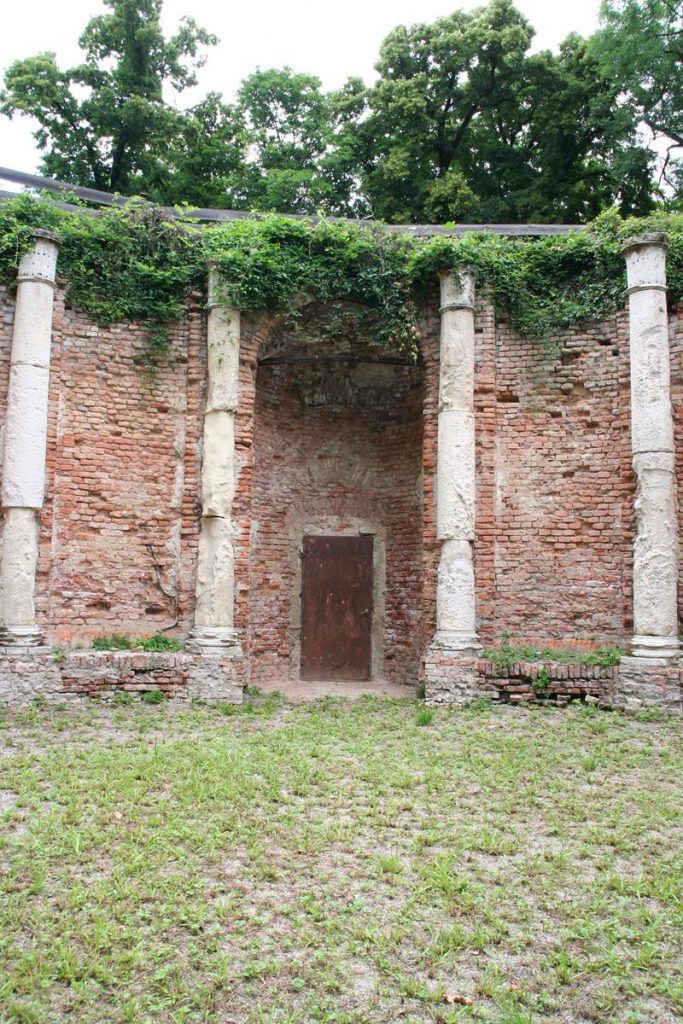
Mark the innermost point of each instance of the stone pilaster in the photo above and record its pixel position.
(25, 442)
(655, 554)
(456, 627)
(214, 631)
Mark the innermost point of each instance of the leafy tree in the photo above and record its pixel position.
(463, 124)
(105, 122)
(640, 48)
(300, 162)
(204, 159)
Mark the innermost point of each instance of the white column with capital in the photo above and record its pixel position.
(456, 624)
(214, 630)
(655, 553)
(25, 444)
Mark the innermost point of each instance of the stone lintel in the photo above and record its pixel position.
(44, 233)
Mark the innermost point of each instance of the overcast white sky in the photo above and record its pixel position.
(332, 41)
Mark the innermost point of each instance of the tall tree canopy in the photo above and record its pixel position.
(640, 46)
(464, 122)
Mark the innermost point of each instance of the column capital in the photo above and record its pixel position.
(457, 289)
(651, 239)
(216, 291)
(646, 262)
(40, 263)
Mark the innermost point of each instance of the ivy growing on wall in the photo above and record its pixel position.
(135, 263)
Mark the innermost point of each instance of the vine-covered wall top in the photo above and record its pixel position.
(133, 262)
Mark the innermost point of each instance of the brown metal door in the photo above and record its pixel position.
(336, 612)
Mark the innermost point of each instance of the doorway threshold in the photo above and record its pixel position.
(305, 689)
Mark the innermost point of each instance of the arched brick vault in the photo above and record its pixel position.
(330, 447)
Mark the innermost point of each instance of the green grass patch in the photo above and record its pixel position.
(331, 862)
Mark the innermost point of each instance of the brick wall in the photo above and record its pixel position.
(106, 675)
(119, 526)
(634, 685)
(554, 483)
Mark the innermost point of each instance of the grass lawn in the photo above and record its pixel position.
(340, 862)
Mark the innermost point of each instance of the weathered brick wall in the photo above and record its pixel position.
(556, 446)
(554, 480)
(119, 526)
(336, 449)
(106, 675)
(554, 483)
(633, 685)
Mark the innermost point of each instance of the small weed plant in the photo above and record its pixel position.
(508, 654)
(541, 684)
(425, 716)
(152, 697)
(158, 642)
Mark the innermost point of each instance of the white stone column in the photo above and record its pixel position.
(25, 443)
(456, 625)
(655, 553)
(214, 631)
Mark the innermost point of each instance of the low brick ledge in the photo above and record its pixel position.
(67, 675)
(515, 683)
(634, 684)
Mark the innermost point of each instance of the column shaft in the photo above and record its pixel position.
(456, 627)
(655, 553)
(214, 630)
(25, 442)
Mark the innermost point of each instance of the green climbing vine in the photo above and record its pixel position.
(136, 263)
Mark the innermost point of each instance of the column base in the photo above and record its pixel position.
(22, 640)
(450, 668)
(217, 641)
(661, 648)
(464, 645)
